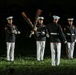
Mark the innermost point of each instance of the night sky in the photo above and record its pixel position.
(62, 8)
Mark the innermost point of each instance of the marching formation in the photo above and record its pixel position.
(53, 31)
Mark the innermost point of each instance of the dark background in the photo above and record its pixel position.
(26, 46)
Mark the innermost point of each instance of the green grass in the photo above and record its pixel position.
(29, 66)
(31, 61)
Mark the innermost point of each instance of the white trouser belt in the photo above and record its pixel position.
(70, 34)
(54, 33)
(41, 32)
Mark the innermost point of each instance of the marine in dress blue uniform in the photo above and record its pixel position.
(11, 31)
(70, 32)
(40, 36)
(55, 32)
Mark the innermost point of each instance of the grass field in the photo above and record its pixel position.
(30, 66)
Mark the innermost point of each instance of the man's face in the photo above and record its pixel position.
(41, 21)
(39, 12)
(10, 21)
(56, 20)
(70, 22)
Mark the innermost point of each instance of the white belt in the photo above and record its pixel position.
(69, 34)
(41, 32)
(54, 33)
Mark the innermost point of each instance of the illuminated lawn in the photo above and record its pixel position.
(29, 66)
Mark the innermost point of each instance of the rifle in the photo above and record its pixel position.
(67, 50)
(28, 20)
(38, 13)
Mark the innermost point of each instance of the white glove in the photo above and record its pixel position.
(35, 28)
(18, 32)
(14, 32)
(32, 32)
(43, 32)
(75, 40)
(65, 42)
(30, 35)
(47, 35)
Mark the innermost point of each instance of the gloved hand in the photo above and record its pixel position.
(32, 32)
(47, 35)
(43, 33)
(18, 32)
(65, 42)
(75, 40)
(14, 32)
(35, 28)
